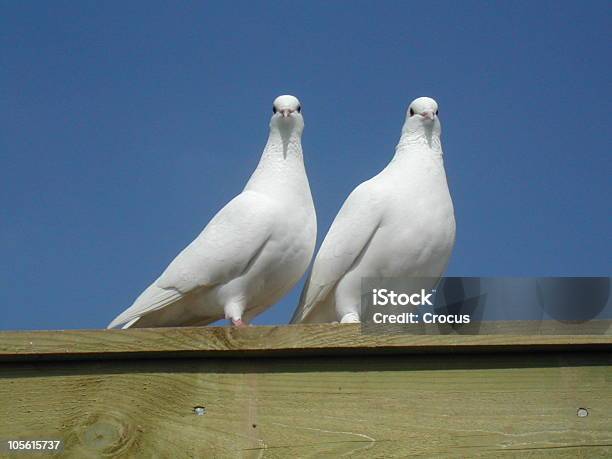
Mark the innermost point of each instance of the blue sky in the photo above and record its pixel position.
(125, 126)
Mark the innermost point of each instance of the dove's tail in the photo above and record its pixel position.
(130, 323)
(152, 299)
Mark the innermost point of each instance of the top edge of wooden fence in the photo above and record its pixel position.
(298, 340)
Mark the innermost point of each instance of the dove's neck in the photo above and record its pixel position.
(281, 167)
(419, 141)
(418, 148)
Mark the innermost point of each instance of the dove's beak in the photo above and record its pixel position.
(286, 112)
(430, 115)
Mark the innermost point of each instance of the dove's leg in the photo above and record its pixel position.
(348, 299)
(350, 318)
(233, 312)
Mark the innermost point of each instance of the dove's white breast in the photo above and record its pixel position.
(286, 255)
(416, 233)
(284, 187)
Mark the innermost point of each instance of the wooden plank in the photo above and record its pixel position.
(466, 405)
(320, 339)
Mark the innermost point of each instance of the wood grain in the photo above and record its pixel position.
(320, 339)
(468, 405)
(310, 391)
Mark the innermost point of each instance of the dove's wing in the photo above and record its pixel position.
(347, 239)
(223, 251)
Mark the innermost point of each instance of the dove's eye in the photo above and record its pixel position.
(273, 109)
(437, 112)
(411, 112)
(299, 109)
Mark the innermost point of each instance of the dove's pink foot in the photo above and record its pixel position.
(239, 323)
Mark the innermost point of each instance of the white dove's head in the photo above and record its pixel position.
(424, 107)
(287, 114)
(422, 119)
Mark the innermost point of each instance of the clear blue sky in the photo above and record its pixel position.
(125, 126)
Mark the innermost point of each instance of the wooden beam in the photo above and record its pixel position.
(440, 405)
(294, 340)
(332, 391)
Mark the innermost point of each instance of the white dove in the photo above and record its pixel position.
(254, 249)
(399, 223)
